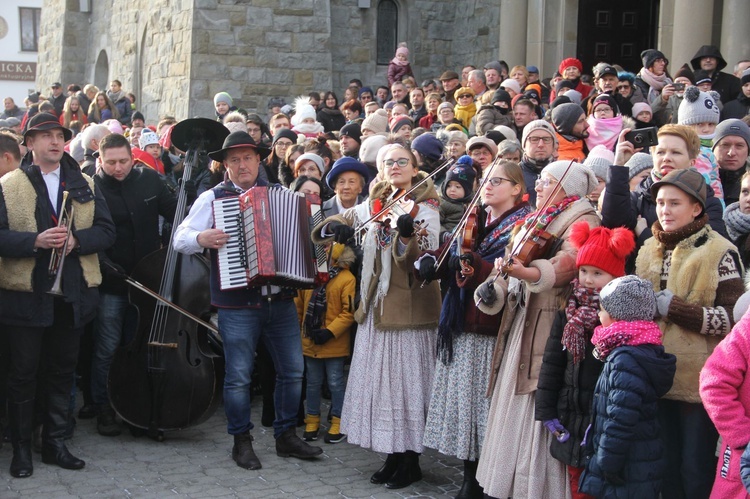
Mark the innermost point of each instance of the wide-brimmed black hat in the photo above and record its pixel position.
(45, 121)
(236, 140)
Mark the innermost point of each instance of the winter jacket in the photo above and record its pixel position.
(666, 112)
(135, 204)
(406, 305)
(13, 113)
(566, 391)
(725, 392)
(625, 439)
(532, 307)
(737, 108)
(731, 183)
(621, 207)
(331, 119)
(450, 214)
(339, 316)
(398, 73)
(487, 118)
(124, 107)
(570, 149)
(726, 84)
(18, 305)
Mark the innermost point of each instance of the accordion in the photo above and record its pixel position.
(270, 243)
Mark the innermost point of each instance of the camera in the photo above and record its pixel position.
(678, 87)
(645, 137)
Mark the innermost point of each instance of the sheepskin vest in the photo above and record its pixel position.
(694, 277)
(16, 274)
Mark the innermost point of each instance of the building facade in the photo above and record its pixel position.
(174, 55)
(20, 22)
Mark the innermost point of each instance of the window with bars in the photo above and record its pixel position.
(387, 30)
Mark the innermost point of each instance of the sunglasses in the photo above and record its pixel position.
(467, 96)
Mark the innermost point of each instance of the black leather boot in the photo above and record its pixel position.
(407, 473)
(106, 423)
(56, 420)
(243, 453)
(470, 489)
(20, 417)
(289, 444)
(386, 471)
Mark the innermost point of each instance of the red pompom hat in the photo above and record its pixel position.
(570, 61)
(603, 248)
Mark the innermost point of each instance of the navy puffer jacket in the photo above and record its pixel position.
(624, 441)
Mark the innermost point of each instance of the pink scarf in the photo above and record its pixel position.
(621, 333)
(655, 83)
(604, 132)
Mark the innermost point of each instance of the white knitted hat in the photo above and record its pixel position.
(377, 122)
(579, 181)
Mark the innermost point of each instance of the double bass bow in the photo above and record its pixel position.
(168, 378)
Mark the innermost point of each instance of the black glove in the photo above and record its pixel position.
(427, 269)
(191, 189)
(454, 263)
(613, 478)
(321, 336)
(405, 225)
(486, 293)
(113, 270)
(468, 259)
(341, 232)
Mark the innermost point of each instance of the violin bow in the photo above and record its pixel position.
(396, 200)
(537, 215)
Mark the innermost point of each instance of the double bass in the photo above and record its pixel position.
(168, 377)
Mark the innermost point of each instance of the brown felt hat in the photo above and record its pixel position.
(689, 181)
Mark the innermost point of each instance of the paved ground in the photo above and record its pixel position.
(197, 463)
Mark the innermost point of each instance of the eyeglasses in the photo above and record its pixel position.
(544, 138)
(402, 163)
(446, 111)
(495, 181)
(544, 182)
(623, 87)
(283, 144)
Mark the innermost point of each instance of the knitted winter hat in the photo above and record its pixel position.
(445, 105)
(564, 117)
(685, 72)
(639, 162)
(507, 132)
(302, 110)
(455, 137)
(570, 61)
(308, 156)
(236, 126)
(698, 107)
(402, 49)
(147, 138)
(485, 142)
(500, 95)
(734, 127)
(368, 151)
(462, 172)
(649, 56)
(599, 160)
(564, 84)
(400, 122)
(377, 122)
(639, 107)
(702, 76)
(606, 100)
(601, 247)
(137, 116)
(579, 181)
(537, 125)
(352, 130)
(745, 76)
(223, 97)
(628, 298)
(575, 96)
(511, 84)
(286, 133)
(428, 146)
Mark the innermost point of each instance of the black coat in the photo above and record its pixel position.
(621, 207)
(625, 439)
(726, 84)
(135, 204)
(331, 119)
(35, 309)
(565, 391)
(737, 108)
(731, 183)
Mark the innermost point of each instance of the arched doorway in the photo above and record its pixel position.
(101, 70)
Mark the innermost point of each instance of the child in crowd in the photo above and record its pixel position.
(569, 370)
(304, 119)
(326, 314)
(737, 220)
(725, 392)
(644, 116)
(223, 105)
(700, 111)
(627, 456)
(150, 151)
(399, 67)
(457, 190)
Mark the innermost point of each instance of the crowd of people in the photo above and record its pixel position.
(542, 277)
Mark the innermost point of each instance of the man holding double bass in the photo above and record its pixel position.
(249, 314)
(43, 329)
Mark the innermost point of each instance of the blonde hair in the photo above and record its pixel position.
(686, 133)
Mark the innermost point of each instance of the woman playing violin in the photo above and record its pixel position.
(457, 417)
(515, 460)
(394, 352)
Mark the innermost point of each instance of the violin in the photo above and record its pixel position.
(399, 203)
(469, 239)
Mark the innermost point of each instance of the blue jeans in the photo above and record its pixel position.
(334, 369)
(108, 331)
(276, 322)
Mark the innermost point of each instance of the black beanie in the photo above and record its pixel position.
(501, 95)
(565, 116)
(352, 130)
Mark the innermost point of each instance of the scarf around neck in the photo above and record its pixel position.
(738, 223)
(582, 313)
(655, 82)
(603, 132)
(399, 63)
(621, 333)
(670, 238)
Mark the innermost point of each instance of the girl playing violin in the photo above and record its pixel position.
(515, 460)
(457, 417)
(394, 352)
